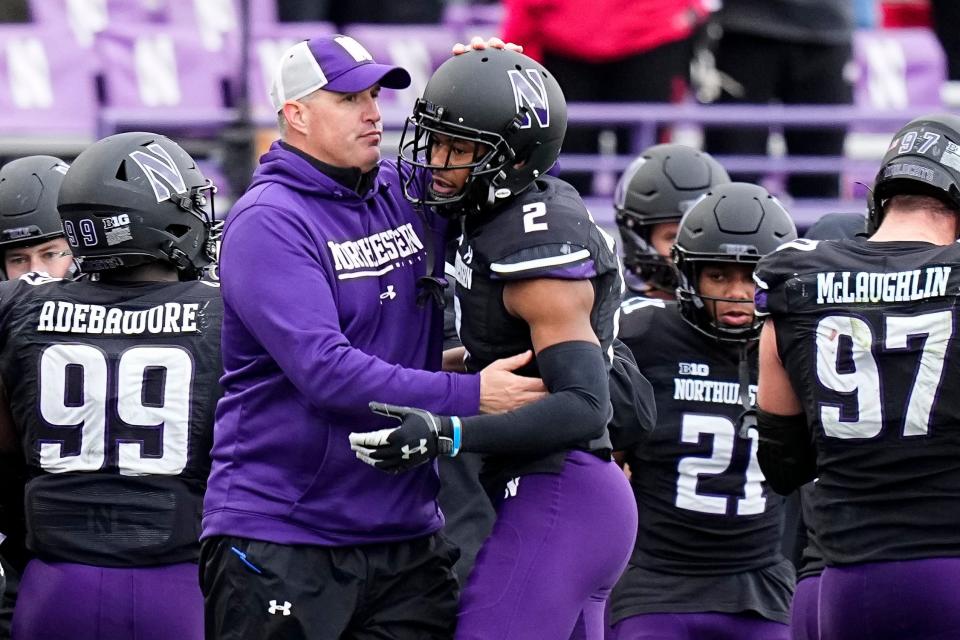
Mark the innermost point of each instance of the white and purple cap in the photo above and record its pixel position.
(335, 63)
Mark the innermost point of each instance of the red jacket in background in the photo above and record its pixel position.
(599, 30)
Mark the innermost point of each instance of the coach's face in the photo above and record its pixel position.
(341, 129)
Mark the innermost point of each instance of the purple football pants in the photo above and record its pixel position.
(891, 600)
(559, 545)
(82, 602)
(804, 618)
(698, 626)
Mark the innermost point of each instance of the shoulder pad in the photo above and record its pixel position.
(545, 232)
(638, 314)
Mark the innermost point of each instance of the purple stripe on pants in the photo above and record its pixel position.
(804, 618)
(82, 602)
(698, 626)
(905, 600)
(557, 548)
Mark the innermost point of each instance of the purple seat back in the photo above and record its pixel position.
(46, 84)
(898, 68)
(162, 79)
(216, 21)
(484, 20)
(87, 18)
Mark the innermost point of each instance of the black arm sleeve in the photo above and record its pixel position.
(785, 452)
(577, 409)
(634, 404)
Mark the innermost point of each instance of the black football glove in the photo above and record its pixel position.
(421, 437)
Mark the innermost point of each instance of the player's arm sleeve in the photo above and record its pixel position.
(632, 397)
(273, 278)
(786, 455)
(577, 409)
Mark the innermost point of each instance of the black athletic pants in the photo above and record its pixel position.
(792, 73)
(397, 591)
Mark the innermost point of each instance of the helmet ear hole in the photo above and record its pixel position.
(177, 230)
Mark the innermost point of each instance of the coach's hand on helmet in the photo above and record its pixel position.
(480, 44)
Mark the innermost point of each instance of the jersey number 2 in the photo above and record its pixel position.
(531, 212)
(86, 408)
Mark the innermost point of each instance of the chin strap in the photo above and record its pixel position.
(429, 286)
(747, 419)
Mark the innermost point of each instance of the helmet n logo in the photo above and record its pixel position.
(161, 171)
(529, 91)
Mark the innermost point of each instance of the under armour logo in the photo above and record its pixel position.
(512, 486)
(389, 294)
(421, 450)
(283, 609)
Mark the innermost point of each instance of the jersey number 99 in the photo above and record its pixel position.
(87, 410)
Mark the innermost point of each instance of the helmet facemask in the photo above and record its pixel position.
(701, 310)
(199, 202)
(641, 259)
(492, 154)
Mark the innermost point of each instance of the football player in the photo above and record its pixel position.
(652, 195)
(857, 372)
(707, 561)
(31, 239)
(532, 271)
(31, 234)
(804, 613)
(112, 383)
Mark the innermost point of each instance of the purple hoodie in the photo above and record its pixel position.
(320, 317)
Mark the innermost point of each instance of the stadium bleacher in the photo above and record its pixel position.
(87, 68)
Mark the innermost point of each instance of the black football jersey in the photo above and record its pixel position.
(867, 332)
(705, 505)
(545, 232)
(709, 533)
(112, 390)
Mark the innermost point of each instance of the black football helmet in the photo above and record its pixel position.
(138, 197)
(734, 222)
(922, 159)
(503, 100)
(659, 186)
(28, 201)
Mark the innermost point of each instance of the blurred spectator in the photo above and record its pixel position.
(367, 11)
(608, 51)
(794, 52)
(14, 11)
(946, 21)
(901, 14)
(303, 10)
(865, 12)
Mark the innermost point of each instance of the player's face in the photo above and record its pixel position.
(53, 258)
(344, 129)
(449, 151)
(733, 283)
(663, 236)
